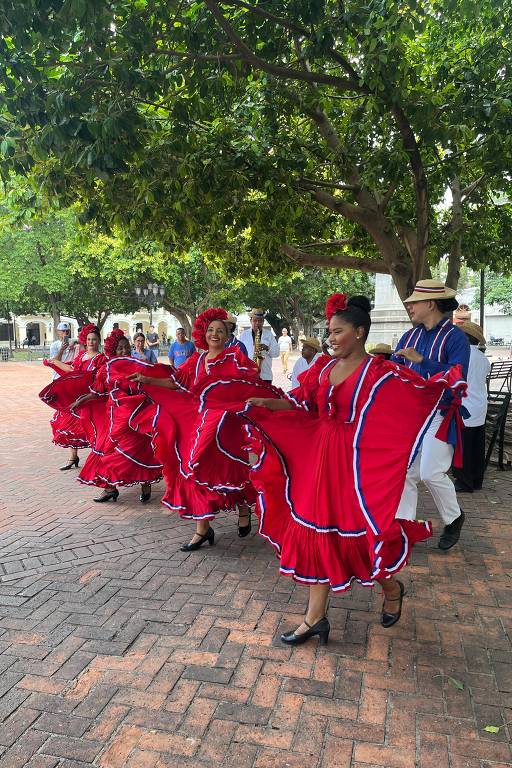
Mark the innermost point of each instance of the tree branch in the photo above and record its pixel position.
(308, 183)
(468, 191)
(297, 29)
(198, 56)
(336, 262)
(329, 243)
(259, 63)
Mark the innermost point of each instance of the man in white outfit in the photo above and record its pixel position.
(268, 344)
(63, 348)
(469, 477)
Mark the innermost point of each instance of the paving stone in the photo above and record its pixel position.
(119, 651)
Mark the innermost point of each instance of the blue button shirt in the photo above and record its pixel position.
(234, 342)
(442, 347)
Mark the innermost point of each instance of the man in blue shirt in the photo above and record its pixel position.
(433, 345)
(181, 349)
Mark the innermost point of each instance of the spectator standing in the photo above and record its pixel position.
(285, 347)
(311, 350)
(141, 352)
(153, 343)
(469, 477)
(62, 348)
(268, 344)
(181, 349)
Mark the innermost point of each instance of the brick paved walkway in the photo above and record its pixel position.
(118, 650)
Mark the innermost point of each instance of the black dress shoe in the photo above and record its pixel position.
(321, 628)
(244, 530)
(72, 463)
(107, 496)
(145, 495)
(461, 488)
(451, 533)
(388, 619)
(209, 536)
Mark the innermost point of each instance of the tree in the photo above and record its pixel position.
(498, 290)
(50, 264)
(297, 300)
(253, 129)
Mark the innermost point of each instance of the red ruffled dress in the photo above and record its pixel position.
(120, 455)
(330, 473)
(67, 429)
(196, 434)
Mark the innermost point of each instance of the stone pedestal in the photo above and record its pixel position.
(389, 318)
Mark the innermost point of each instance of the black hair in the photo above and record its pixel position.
(446, 305)
(357, 313)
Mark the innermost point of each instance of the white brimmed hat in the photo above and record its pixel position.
(430, 290)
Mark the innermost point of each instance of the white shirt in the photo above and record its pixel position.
(300, 366)
(268, 338)
(67, 355)
(285, 344)
(476, 400)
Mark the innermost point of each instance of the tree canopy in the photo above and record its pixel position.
(323, 132)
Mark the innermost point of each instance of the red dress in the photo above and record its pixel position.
(67, 428)
(196, 435)
(120, 455)
(330, 473)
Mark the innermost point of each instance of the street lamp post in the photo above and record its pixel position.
(150, 295)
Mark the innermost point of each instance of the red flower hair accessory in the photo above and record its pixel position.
(112, 341)
(203, 321)
(86, 330)
(335, 303)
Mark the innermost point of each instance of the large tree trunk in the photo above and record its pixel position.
(53, 299)
(456, 228)
(182, 317)
(103, 315)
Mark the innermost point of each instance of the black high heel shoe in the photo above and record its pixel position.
(321, 628)
(388, 619)
(145, 495)
(107, 496)
(73, 463)
(244, 530)
(209, 536)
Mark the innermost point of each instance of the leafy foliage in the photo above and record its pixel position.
(242, 126)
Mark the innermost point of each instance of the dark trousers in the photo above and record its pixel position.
(471, 474)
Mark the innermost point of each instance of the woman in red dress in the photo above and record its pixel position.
(198, 438)
(331, 468)
(77, 376)
(120, 456)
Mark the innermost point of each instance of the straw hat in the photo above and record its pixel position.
(257, 312)
(231, 319)
(381, 349)
(430, 290)
(472, 329)
(310, 341)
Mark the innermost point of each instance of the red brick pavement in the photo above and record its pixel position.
(118, 650)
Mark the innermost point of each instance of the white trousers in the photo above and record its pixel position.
(431, 465)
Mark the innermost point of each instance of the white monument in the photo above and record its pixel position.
(389, 318)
